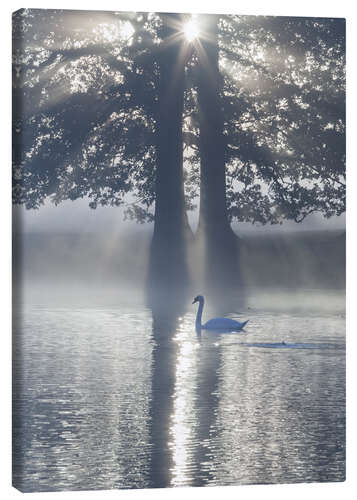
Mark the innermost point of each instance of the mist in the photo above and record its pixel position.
(73, 254)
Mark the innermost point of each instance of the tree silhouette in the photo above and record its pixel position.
(221, 264)
(271, 111)
(169, 270)
(99, 100)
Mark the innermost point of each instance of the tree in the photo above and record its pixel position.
(220, 243)
(270, 94)
(98, 114)
(168, 255)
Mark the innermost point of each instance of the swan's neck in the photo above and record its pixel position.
(199, 315)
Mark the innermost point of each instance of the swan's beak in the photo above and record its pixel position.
(194, 301)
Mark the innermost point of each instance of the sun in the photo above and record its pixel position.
(191, 30)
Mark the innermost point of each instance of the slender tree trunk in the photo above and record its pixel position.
(219, 241)
(168, 263)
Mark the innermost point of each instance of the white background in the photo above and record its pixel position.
(326, 8)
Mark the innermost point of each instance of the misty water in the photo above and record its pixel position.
(116, 396)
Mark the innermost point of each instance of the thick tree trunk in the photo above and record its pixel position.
(219, 241)
(168, 264)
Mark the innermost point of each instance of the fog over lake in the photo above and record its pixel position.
(78, 217)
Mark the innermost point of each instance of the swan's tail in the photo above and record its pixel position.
(244, 323)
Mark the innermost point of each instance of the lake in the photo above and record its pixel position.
(116, 396)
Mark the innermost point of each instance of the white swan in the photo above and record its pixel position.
(218, 324)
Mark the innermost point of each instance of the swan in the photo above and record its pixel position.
(221, 324)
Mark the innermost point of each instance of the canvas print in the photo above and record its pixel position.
(178, 250)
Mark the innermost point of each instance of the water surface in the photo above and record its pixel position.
(118, 397)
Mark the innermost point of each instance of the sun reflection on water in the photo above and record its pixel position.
(183, 418)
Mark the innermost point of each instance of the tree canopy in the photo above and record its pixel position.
(283, 99)
(86, 90)
(84, 111)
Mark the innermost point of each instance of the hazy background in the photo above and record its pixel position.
(70, 252)
(76, 216)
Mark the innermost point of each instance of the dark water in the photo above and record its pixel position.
(116, 397)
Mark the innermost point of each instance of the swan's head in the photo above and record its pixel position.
(199, 298)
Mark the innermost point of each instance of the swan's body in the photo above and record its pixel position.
(217, 324)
